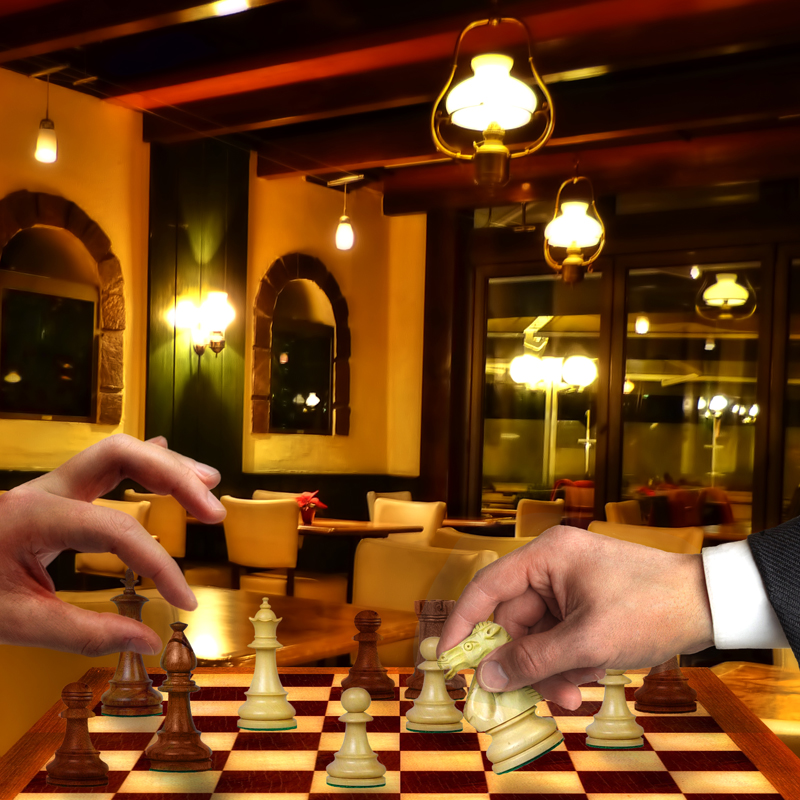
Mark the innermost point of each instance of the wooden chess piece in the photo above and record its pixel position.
(665, 690)
(131, 692)
(178, 747)
(434, 710)
(432, 615)
(367, 670)
(266, 707)
(355, 764)
(614, 726)
(76, 762)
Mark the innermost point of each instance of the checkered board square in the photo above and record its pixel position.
(684, 755)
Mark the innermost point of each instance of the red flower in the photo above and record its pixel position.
(309, 500)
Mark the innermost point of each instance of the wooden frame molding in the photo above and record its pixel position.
(298, 266)
(24, 209)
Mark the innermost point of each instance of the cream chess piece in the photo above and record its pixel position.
(614, 726)
(519, 736)
(266, 707)
(434, 710)
(355, 764)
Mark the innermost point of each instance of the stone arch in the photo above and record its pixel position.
(24, 209)
(287, 268)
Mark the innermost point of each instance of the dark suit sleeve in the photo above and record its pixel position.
(777, 555)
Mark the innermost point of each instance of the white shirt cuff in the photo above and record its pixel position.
(740, 610)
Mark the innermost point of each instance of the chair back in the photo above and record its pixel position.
(167, 520)
(394, 574)
(373, 496)
(672, 540)
(626, 512)
(536, 516)
(455, 540)
(267, 494)
(261, 533)
(408, 512)
(109, 564)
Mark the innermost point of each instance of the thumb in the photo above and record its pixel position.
(530, 659)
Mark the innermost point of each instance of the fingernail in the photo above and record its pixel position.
(493, 677)
(138, 645)
(206, 471)
(192, 604)
(587, 677)
(214, 504)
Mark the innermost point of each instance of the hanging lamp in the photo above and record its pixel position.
(725, 296)
(345, 236)
(492, 101)
(46, 141)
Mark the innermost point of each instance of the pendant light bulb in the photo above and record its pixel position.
(344, 230)
(46, 142)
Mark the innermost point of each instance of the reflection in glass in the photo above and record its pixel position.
(791, 470)
(540, 387)
(689, 420)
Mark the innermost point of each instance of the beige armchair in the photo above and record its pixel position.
(167, 520)
(373, 496)
(536, 516)
(393, 575)
(408, 512)
(262, 534)
(626, 512)
(455, 540)
(672, 540)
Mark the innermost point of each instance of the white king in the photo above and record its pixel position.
(266, 707)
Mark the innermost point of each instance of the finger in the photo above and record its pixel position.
(71, 524)
(563, 689)
(207, 474)
(160, 441)
(521, 613)
(99, 468)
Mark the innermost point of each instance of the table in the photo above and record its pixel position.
(769, 692)
(486, 526)
(352, 532)
(311, 630)
(291, 764)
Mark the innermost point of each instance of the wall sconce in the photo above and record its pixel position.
(207, 323)
(574, 230)
(724, 296)
(491, 101)
(46, 141)
(345, 237)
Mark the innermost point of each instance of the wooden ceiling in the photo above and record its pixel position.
(646, 92)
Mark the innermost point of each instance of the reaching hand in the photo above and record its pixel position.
(576, 603)
(45, 516)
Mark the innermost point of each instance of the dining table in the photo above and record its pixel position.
(485, 526)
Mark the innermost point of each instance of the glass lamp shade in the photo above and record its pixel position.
(579, 371)
(718, 403)
(46, 142)
(726, 292)
(344, 234)
(183, 316)
(216, 313)
(525, 369)
(573, 226)
(642, 325)
(312, 400)
(491, 95)
(628, 386)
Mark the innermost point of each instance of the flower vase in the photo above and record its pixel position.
(308, 514)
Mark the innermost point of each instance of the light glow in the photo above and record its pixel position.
(725, 293)
(183, 316)
(216, 313)
(753, 410)
(525, 369)
(579, 371)
(224, 7)
(642, 325)
(695, 272)
(491, 96)
(573, 226)
(701, 403)
(718, 403)
(628, 386)
(46, 142)
(344, 234)
(312, 400)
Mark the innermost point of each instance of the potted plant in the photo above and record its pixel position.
(309, 503)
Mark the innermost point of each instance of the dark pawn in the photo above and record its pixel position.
(367, 671)
(131, 692)
(77, 763)
(432, 615)
(666, 691)
(178, 747)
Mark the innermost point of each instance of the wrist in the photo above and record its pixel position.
(696, 607)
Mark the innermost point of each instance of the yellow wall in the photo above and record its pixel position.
(382, 279)
(103, 167)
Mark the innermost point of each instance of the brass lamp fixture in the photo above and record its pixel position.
(206, 323)
(574, 230)
(493, 102)
(725, 296)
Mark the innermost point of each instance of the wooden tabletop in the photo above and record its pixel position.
(311, 630)
(357, 529)
(769, 692)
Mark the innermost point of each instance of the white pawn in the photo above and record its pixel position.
(614, 726)
(355, 764)
(266, 707)
(434, 709)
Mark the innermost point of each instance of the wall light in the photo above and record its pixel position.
(710, 344)
(207, 323)
(574, 230)
(642, 325)
(491, 101)
(46, 141)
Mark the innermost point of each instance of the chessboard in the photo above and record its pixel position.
(719, 752)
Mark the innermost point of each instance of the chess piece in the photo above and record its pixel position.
(432, 614)
(614, 726)
(666, 691)
(76, 762)
(131, 692)
(519, 736)
(434, 710)
(178, 747)
(355, 764)
(367, 670)
(266, 707)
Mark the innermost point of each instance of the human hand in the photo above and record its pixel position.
(576, 603)
(54, 512)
